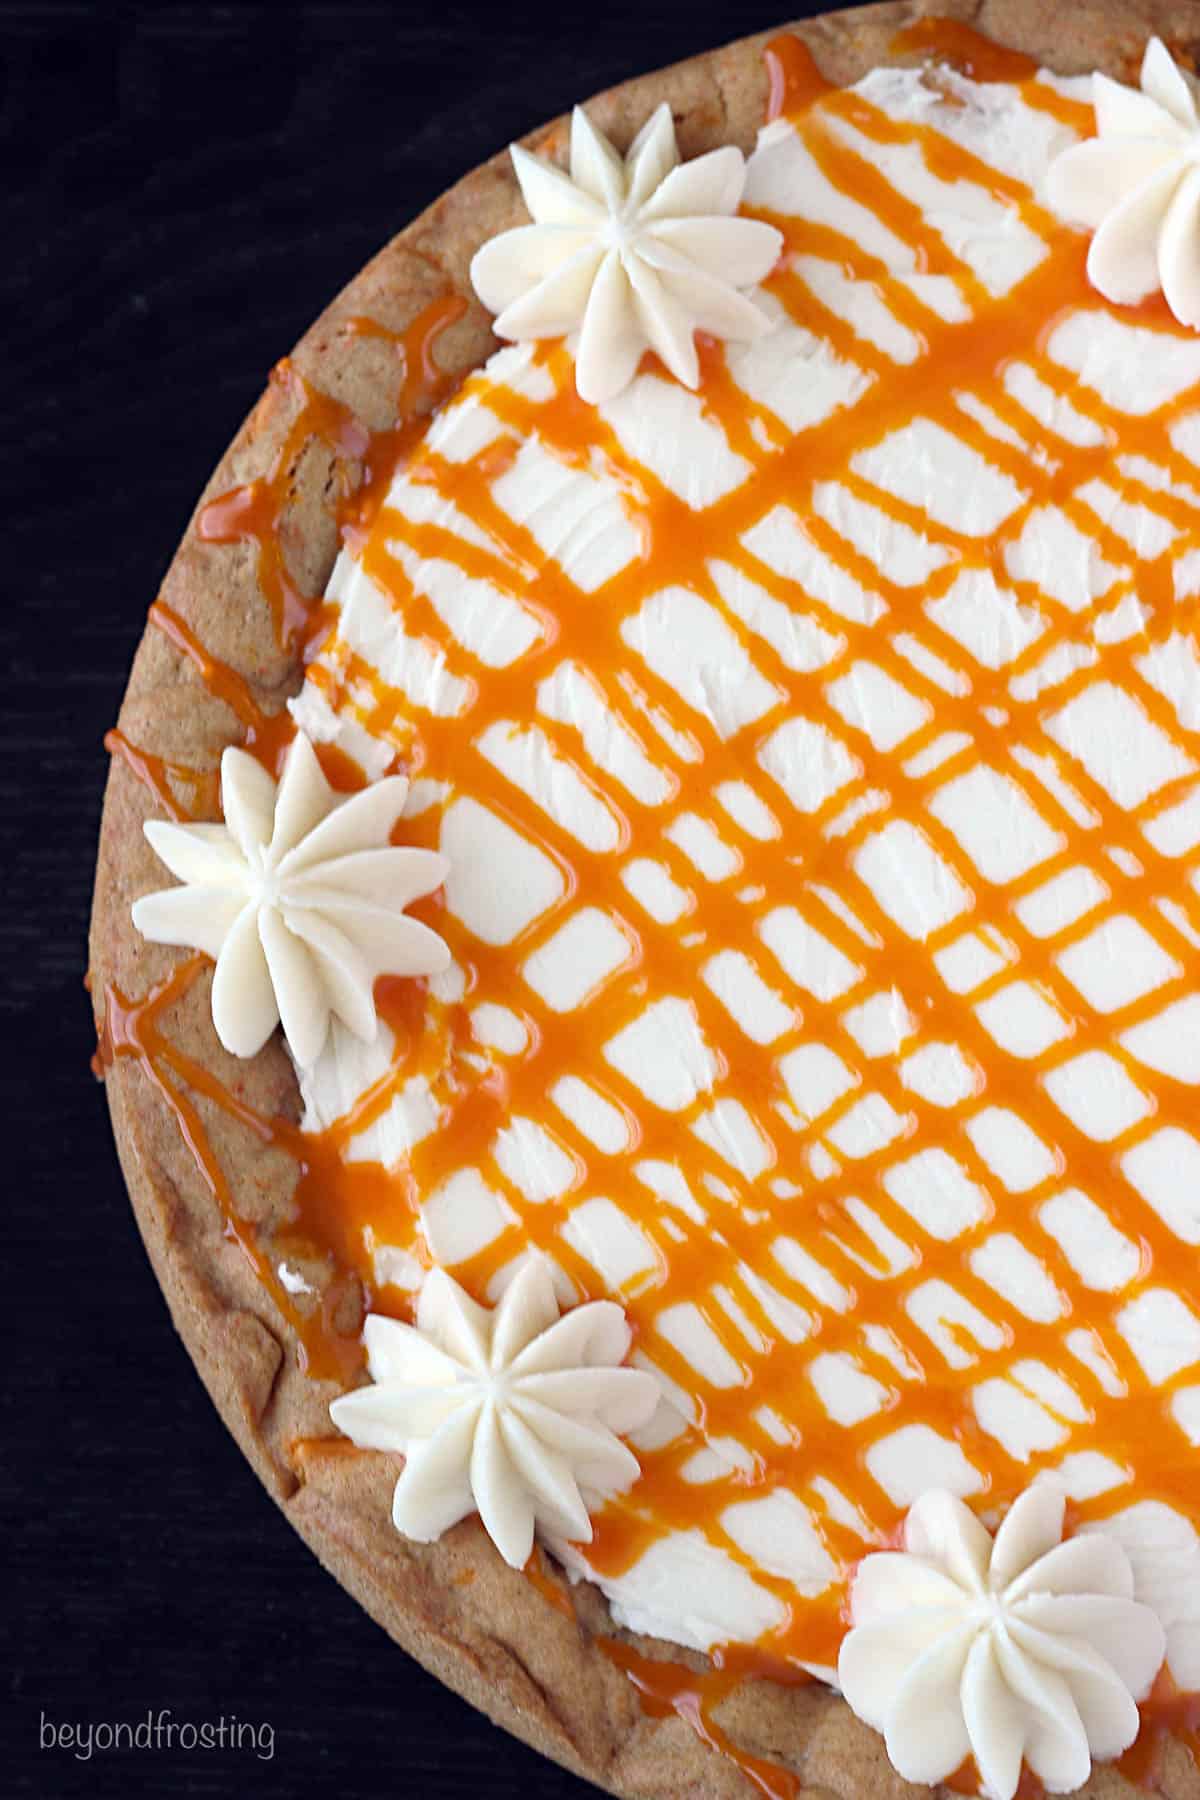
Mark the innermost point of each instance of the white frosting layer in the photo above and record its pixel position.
(635, 253)
(1137, 185)
(299, 897)
(1029, 1647)
(514, 1413)
(813, 947)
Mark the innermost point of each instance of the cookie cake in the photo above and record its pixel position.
(646, 947)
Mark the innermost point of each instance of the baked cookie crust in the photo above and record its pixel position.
(523, 1652)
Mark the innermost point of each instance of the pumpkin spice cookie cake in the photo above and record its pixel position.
(646, 945)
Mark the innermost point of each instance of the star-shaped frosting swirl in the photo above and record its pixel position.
(635, 253)
(299, 898)
(1137, 185)
(514, 1413)
(1026, 1647)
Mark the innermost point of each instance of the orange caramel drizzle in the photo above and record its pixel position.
(140, 1029)
(255, 513)
(345, 1208)
(163, 776)
(677, 547)
(267, 735)
(1167, 1714)
(966, 1780)
(669, 1689)
(136, 1028)
(968, 51)
(550, 1585)
(794, 82)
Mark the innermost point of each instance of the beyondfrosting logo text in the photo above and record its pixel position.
(159, 1730)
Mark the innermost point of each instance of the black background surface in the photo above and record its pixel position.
(185, 188)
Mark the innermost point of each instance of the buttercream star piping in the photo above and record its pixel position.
(1136, 184)
(633, 253)
(299, 897)
(515, 1413)
(1026, 1647)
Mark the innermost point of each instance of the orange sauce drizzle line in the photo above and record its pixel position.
(950, 41)
(553, 1588)
(668, 1689)
(966, 1779)
(348, 1207)
(132, 1028)
(671, 1689)
(255, 512)
(267, 735)
(794, 82)
(158, 773)
(678, 547)
(479, 1117)
(1167, 1714)
(135, 1029)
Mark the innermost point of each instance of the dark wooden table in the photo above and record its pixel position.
(186, 186)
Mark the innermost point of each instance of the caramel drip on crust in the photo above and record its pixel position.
(267, 735)
(794, 81)
(966, 1780)
(550, 1584)
(162, 775)
(716, 1259)
(1167, 1713)
(329, 1345)
(669, 1689)
(950, 41)
(255, 513)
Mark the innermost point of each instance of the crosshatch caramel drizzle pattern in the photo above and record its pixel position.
(812, 859)
(717, 1264)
